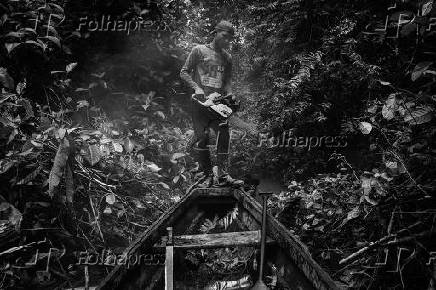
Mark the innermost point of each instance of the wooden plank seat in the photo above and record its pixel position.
(221, 240)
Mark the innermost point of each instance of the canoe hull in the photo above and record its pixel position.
(295, 267)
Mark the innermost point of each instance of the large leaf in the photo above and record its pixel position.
(6, 79)
(105, 149)
(153, 167)
(21, 87)
(59, 164)
(427, 7)
(228, 218)
(5, 165)
(39, 44)
(365, 127)
(164, 185)
(11, 45)
(82, 103)
(354, 213)
(366, 185)
(55, 40)
(69, 184)
(405, 108)
(14, 34)
(59, 8)
(28, 30)
(128, 145)
(393, 165)
(51, 29)
(209, 225)
(177, 156)
(420, 115)
(160, 114)
(117, 147)
(383, 83)
(176, 179)
(110, 198)
(61, 133)
(419, 69)
(93, 154)
(390, 107)
(9, 212)
(70, 67)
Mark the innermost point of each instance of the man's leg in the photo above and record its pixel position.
(201, 134)
(223, 147)
(202, 153)
(223, 150)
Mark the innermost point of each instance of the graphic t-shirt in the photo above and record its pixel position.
(209, 68)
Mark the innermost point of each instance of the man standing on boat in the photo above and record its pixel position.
(208, 70)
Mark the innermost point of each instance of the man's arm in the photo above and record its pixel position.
(189, 66)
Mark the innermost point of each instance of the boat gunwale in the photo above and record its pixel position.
(296, 249)
(114, 277)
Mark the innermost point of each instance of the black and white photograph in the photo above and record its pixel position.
(218, 144)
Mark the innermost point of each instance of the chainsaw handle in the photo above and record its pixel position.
(196, 97)
(216, 99)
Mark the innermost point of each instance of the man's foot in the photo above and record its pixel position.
(206, 182)
(199, 175)
(227, 180)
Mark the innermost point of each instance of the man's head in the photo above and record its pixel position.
(224, 34)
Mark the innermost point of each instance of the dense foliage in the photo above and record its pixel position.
(93, 145)
(341, 73)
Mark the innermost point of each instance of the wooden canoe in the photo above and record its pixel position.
(295, 267)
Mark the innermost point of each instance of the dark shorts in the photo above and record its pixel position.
(205, 119)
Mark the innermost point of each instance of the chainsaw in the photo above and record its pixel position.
(224, 106)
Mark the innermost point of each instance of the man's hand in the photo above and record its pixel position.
(199, 94)
(211, 99)
(200, 97)
(209, 102)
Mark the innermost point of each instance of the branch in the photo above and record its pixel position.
(363, 250)
(380, 242)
